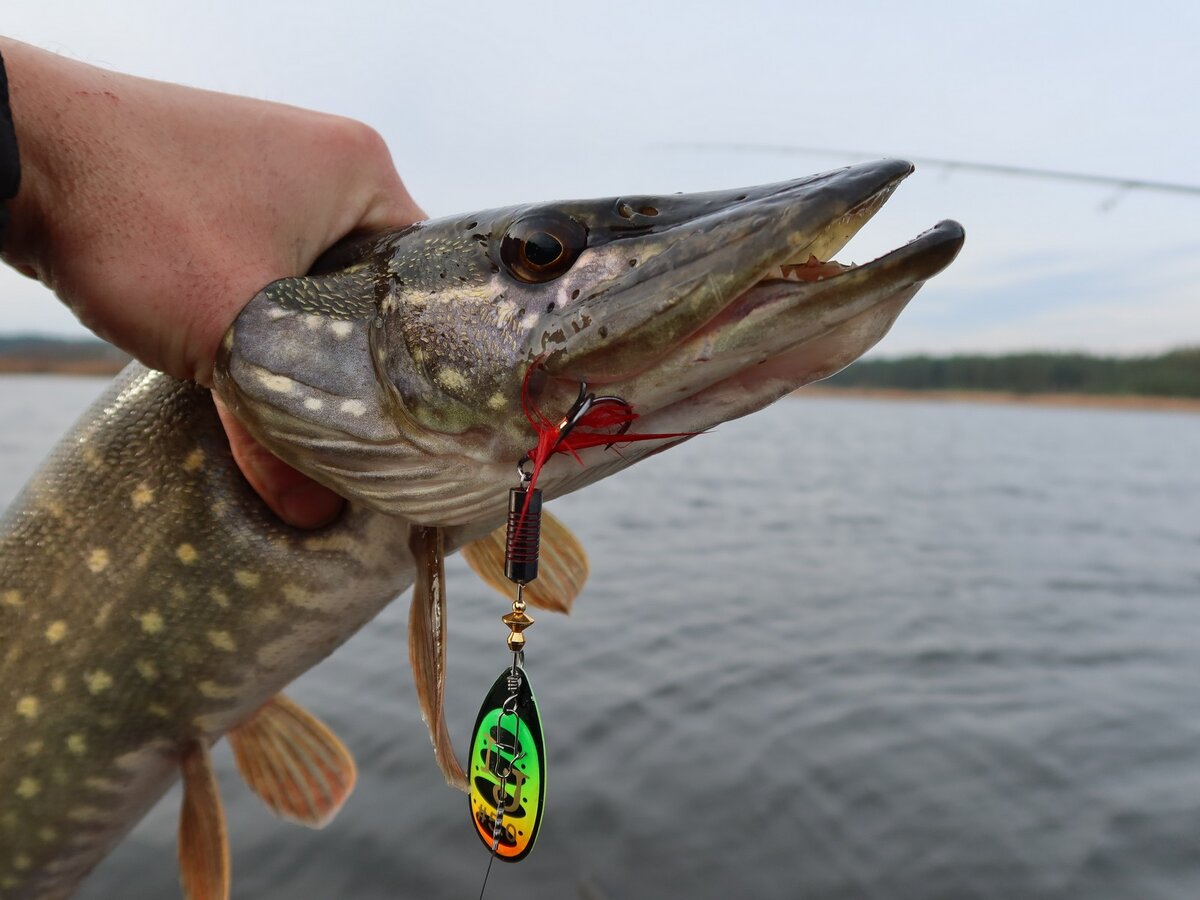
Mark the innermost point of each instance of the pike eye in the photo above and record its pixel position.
(542, 247)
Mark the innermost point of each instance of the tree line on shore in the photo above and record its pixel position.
(1172, 374)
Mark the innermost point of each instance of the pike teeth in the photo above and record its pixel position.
(811, 270)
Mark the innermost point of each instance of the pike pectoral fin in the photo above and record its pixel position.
(427, 646)
(296, 765)
(203, 843)
(562, 566)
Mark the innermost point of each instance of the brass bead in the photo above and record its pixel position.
(516, 620)
(516, 642)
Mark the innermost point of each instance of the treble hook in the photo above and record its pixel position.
(583, 404)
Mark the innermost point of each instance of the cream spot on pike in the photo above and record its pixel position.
(97, 560)
(334, 543)
(47, 834)
(152, 622)
(8, 882)
(280, 384)
(28, 707)
(194, 460)
(56, 631)
(276, 312)
(142, 496)
(313, 403)
(497, 401)
(76, 744)
(107, 785)
(58, 683)
(28, 788)
(157, 709)
(298, 596)
(214, 691)
(84, 814)
(219, 597)
(187, 554)
(11, 598)
(246, 578)
(222, 640)
(354, 407)
(451, 379)
(21, 862)
(312, 322)
(147, 669)
(341, 328)
(98, 682)
(33, 748)
(210, 724)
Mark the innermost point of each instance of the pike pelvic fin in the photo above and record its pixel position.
(203, 841)
(427, 646)
(294, 763)
(562, 566)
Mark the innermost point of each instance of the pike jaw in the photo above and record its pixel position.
(395, 376)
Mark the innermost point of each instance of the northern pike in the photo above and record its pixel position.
(150, 604)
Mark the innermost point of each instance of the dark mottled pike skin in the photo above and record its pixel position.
(130, 627)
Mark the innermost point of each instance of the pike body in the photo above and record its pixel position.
(150, 604)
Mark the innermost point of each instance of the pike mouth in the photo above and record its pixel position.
(817, 278)
(805, 317)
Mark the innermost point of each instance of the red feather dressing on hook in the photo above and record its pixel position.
(587, 432)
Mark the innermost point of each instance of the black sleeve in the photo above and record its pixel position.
(10, 167)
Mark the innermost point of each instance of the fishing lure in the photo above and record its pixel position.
(507, 762)
(506, 769)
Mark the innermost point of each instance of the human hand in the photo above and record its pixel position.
(156, 211)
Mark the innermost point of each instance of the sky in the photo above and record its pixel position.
(484, 104)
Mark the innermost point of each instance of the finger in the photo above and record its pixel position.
(290, 494)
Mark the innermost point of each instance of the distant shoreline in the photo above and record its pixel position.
(95, 368)
(1085, 401)
(39, 366)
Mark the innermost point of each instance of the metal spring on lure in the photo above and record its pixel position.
(523, 538)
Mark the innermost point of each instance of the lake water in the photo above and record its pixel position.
(841, 649)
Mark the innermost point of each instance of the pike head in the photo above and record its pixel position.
(395, 375)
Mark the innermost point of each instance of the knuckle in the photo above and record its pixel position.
(359, 140)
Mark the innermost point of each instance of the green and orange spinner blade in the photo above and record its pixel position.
(507, 769)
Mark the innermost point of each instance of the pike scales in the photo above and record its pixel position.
(165, 614)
